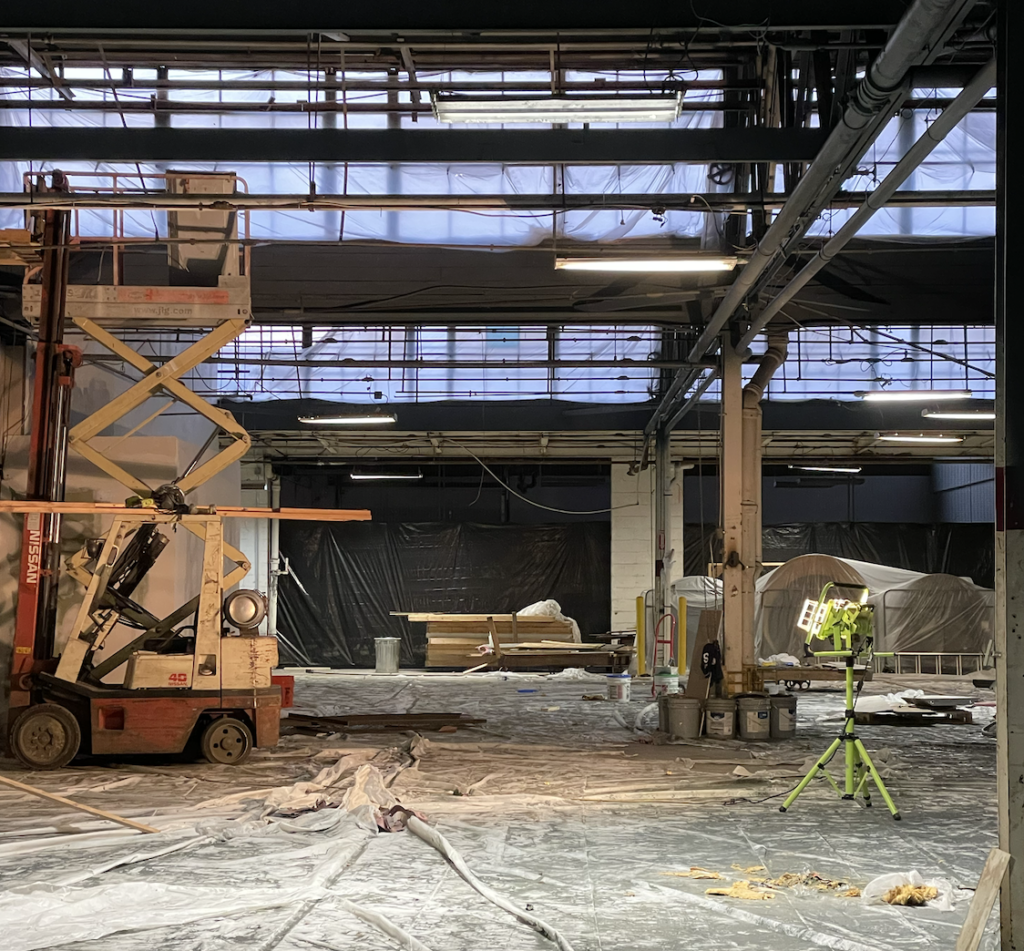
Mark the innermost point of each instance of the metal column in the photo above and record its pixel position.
(662, 525)
(1010, 479)
(731, 489)
(750, 502)
(274, 557)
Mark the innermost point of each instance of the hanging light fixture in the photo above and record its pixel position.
(922, 438)
(911, 396)
(392, 475)
(350, 419)
(556, 109)
(677, 264)
(982, 415)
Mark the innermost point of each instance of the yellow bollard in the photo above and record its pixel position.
(682, 641)
(641, 646)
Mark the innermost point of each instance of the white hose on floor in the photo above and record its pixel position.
(386, 925)
(130, 860)
(434, 838)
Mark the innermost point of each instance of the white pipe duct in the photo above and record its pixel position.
(936, 131)
(917, 39)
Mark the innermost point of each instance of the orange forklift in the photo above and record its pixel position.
(200, 677)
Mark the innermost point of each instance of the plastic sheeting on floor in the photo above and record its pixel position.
(553, 803)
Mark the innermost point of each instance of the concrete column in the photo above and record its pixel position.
(1010, 479)
(731, 482)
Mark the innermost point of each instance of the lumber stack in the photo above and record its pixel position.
(453, 640)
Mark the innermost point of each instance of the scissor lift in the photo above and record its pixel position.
(187, 678)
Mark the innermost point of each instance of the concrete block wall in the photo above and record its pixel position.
(632, 558)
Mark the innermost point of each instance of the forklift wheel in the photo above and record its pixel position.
(46, 736)
(227, 741)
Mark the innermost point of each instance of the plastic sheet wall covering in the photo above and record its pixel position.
(347, 578)
(962, 549)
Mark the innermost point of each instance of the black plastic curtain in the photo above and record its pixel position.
(346, 578)
(964, 549)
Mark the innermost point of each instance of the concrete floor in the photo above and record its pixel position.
(553, 802)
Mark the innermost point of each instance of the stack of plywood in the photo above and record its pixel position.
(453, 639)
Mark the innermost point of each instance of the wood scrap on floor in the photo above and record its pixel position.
(380, 723)
(911, 895)
(695, 872)
(742, 889)
(454, 638)
(906, 716)
(71, 804)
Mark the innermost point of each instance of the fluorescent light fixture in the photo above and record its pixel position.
(933, 440)
(695, 262)
(850, 471)
(979, 414)
(352, 419)
(558, 109)
(385, 476)
(912, 396)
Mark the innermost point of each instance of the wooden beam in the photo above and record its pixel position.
(984, 899)
(71, 804)
(152, 514)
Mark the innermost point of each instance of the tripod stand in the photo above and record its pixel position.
(849, 624)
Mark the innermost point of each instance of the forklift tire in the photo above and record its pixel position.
(226, 741)
(46, 736)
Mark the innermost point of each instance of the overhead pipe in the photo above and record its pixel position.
(917, 39)
(773, 358)
(936, 131)
(692, 401)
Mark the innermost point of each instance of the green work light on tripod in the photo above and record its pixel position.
(849, 624)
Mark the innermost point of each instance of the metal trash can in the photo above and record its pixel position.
(386, 649)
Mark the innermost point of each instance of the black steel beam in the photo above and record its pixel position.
(531, 147)
(403, 16)
(710, 202)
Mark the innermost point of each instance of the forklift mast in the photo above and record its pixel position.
(36, 620)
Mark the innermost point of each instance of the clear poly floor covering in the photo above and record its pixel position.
(555, 803)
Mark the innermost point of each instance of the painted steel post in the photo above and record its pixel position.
(731, 481)
(1009, 477)
(641, 640)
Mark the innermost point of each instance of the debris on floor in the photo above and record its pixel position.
(742, 889)
(913, 895)
(695, 872)
(379, 723)
(811, 880)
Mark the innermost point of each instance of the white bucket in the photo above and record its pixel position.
(783, 718)
(386, 651)
(618, 687)
(720, 718)
(666, 680)
(681, 716)
(754, 718)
